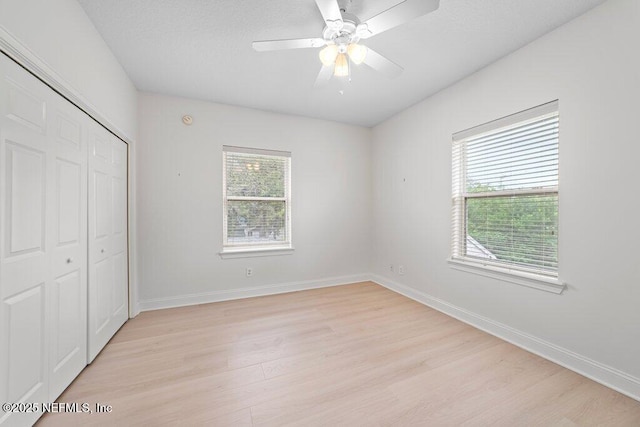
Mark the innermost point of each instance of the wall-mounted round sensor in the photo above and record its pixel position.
(187, 120)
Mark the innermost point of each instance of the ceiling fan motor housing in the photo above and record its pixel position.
(342, 33)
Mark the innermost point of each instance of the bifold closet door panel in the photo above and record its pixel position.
(108, 267)
(119, 244)
(68, 296)
(25, 247)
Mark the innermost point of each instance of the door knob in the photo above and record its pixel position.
(69, 260)
(101, 250)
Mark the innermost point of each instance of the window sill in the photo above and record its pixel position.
(543, 283)
(230, 253)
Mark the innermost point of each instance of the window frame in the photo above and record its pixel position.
(262, 248)
(527, 276)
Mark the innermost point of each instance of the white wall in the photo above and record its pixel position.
(592, 66)
(59, 33)
(180, 201)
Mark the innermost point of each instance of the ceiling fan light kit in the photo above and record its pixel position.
(336, 56)
(357, 53)
(342, 66)
(343, 31)
(328, 55)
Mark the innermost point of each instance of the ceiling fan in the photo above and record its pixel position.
(342, 33)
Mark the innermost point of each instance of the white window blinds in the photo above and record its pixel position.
(505, 192)
(256, 192)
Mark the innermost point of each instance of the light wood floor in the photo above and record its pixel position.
(355, 355)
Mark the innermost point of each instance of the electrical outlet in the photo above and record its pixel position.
(391, 268)
(249, 271)
(401, 270)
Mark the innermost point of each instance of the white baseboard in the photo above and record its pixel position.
(135, 310)
(605, 375)
(217, 296)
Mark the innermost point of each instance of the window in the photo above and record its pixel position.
(505, 195)
(257, 201)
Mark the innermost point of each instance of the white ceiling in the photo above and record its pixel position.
(202, 49)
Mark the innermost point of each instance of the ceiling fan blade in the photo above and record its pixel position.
(399, 14)
(382, 64)
(266, 45)
(324, 75)
(330, 12)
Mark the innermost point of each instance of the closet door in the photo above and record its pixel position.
(25, 246)
(68, 297)
(108, 268)
(59, 223)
